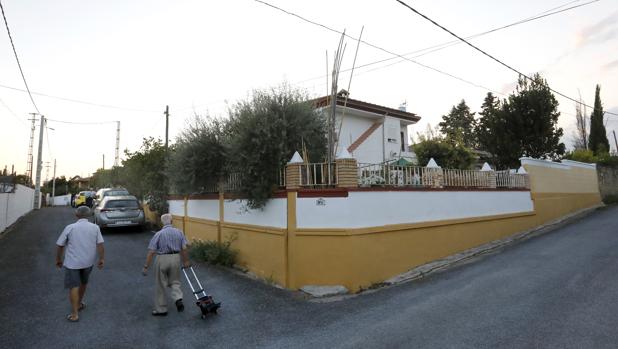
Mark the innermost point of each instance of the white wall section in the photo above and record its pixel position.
(204, 209)
(274, 214)
(176, 207)
(379, 208)
(15, 205)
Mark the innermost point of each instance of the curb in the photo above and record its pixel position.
(439, 265)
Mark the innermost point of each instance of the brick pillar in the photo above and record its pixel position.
(492, 179)
(437, 177)
(347, 173)
(292, 176)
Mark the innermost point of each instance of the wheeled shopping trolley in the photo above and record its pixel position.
(204, 301)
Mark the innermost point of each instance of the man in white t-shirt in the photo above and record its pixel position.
(82, 241)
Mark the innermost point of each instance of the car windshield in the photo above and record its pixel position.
(122, 204)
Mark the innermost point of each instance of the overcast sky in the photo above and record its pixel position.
(196, 56)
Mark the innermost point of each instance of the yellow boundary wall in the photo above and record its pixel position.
(357, 258)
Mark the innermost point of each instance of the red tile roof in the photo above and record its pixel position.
(368, 107)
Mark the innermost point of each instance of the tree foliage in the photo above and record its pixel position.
(598, 142)
(459, 124)
(199, 158)
(525, 124)
(444, 152)
(143, 173)
(266, 129)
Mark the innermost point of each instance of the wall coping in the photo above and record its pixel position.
(564, 164)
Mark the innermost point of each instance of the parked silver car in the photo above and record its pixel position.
(103, 192)
(119, 211)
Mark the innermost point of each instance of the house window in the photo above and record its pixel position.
(403, 144)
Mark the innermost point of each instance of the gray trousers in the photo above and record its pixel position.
(167, 274)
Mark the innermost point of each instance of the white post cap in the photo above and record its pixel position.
(344, 154)
(521, 170)
(486, 167)
(432, 164)
(296, 159)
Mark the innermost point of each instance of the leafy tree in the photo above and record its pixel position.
(458, 125)
(266, 130)
(598, 142)
(445, 153)
(62, 186)
(107, 178)
(526, 124)
(199, 158)
(583, 155)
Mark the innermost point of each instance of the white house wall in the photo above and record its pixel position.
(274, 214)
(370, 209)
(392, 128)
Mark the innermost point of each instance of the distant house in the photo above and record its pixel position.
(370, 132)
(82, 183)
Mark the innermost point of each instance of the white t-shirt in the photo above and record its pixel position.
(81, 239)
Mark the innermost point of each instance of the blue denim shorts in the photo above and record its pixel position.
(76, 277)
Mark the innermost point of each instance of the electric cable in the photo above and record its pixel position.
(81, 102)
(441, 46)
(6, 24)
(490, 56)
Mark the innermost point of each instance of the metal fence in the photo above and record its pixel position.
(318, 175)
(391, 175)
(509, 179)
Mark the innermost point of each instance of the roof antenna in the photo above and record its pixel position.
(347, 94)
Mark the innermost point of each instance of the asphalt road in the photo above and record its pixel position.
(559, 290)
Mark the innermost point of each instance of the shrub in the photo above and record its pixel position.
(266, 129)
(199, 157)
(446, 154)
(214, 252)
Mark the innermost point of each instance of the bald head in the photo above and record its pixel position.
(82, 212)
(166, 219)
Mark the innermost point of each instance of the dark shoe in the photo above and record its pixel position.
(180, 306)
(156, 313)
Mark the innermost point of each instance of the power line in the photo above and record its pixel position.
(6, 24)
(378, 47)
(81, 123)
(79, 101)
(489, 55)
(441, 46)
(12, 113)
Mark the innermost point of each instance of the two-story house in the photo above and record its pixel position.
(370, 132)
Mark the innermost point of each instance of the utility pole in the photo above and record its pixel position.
(167, 124)
(103, 162)
(54, 185)
(30, 158)
(47, 165)
(117, 159)
(615, 141)
(39, 165)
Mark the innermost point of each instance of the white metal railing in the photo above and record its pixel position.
(318, 175)
(467, 178)
(508, 179)
(392, 175)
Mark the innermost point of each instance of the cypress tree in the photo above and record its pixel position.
(598, 142)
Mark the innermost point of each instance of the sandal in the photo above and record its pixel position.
(70, 318)
(156, 313)
(82, 306)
